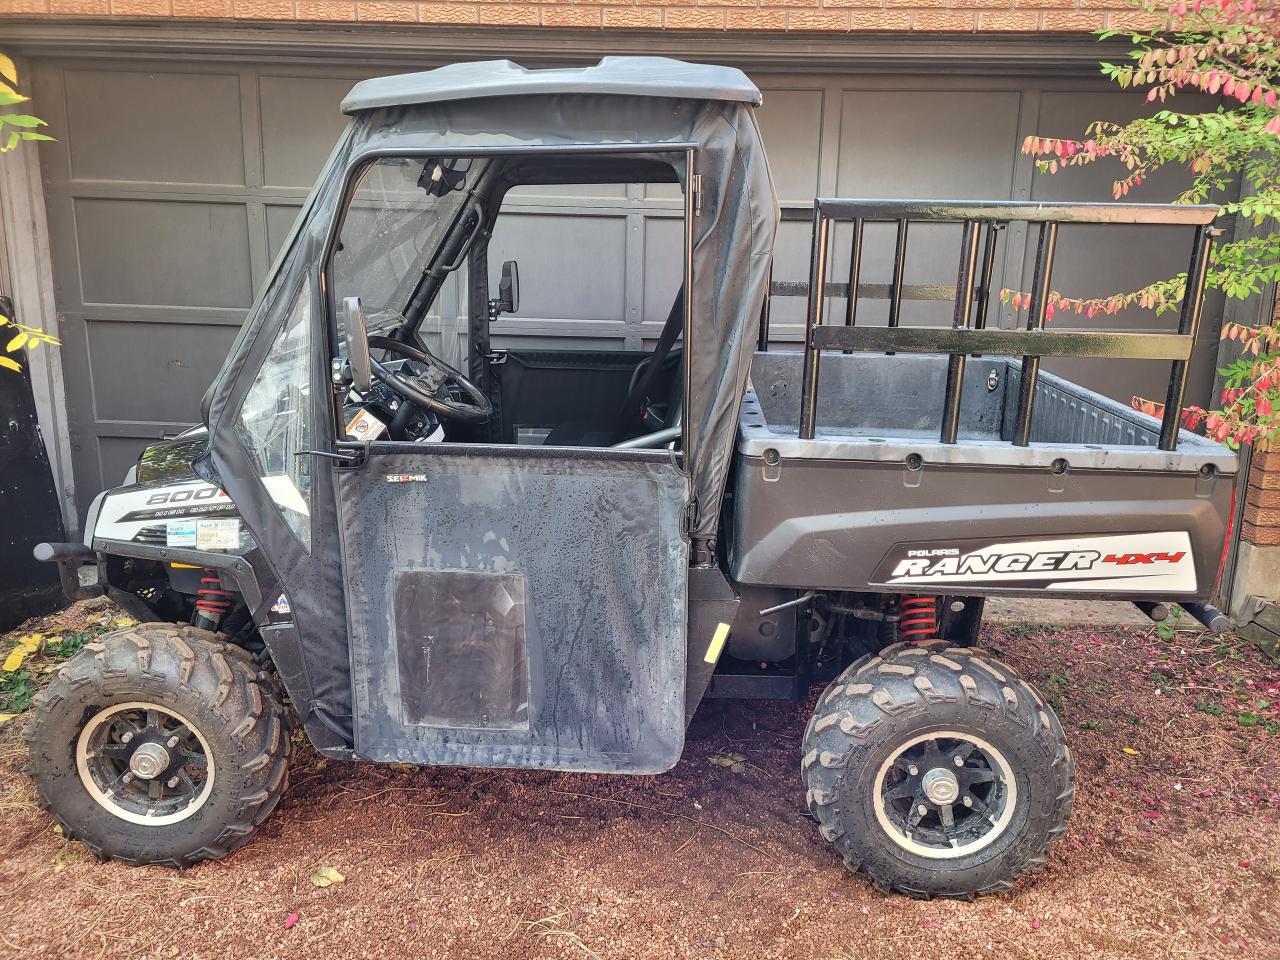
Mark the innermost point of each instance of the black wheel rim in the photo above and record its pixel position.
(945, 794)
(144, 763)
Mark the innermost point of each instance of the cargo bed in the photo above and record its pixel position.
(1091, 507)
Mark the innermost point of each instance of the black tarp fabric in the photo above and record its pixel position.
(733, 232)
(733, 242)
(517, 607)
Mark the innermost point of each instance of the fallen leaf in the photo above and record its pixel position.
(26, 645)
(326, 877)
(1130, 751)
(1151, 814)
(6, 717)
(291, 920)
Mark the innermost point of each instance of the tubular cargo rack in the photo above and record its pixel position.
(968, 334)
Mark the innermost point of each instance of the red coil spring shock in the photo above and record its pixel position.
(919, 619)
(211, 600)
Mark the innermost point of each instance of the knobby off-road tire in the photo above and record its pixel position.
(886, 720)
(180, 688)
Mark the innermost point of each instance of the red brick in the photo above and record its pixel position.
(1047, 4)
(693, 19)
(883, 21)
(1260, 536)
(79, 8)
(328, 10)
(1074, 22)
(1135, 21)
(24, 6)
(1016, 21)
(869, 4)
(1266, 461)
(756, 20)
(204, 9)
(447, 13)
(643, 18)
(387, 12)
(571, 16)
(146, 8)
(983, 4)
(509, 15)
(1265, 499)
(1261, 517)
(951, 21)
(263, 9)
(1264, 479)
(813, 20)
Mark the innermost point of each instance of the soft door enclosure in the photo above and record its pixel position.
(516, 607)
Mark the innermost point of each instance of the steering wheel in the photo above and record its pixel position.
(424, 389)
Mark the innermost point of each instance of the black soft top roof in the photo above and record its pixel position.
(633, 76)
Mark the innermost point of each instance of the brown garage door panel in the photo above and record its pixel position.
(154, 127)
(163, 252)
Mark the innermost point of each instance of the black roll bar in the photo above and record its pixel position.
(968, 335)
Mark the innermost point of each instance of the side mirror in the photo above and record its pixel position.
(356, 344)
(508, 300)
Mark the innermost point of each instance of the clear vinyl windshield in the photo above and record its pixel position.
(401, 211)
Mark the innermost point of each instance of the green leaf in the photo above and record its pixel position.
(32, 135)
(21, 120)
(8, 96)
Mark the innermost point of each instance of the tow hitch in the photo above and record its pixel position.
(70, 557)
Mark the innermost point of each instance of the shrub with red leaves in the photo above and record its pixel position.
(1229, 49)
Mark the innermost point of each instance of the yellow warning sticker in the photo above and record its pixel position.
(717, 643)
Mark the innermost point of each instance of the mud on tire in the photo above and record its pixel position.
(879, 720)
(213, 695)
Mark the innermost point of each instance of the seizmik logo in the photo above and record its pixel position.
(948, 562)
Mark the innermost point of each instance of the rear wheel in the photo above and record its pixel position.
(936, 771)
(160, 744)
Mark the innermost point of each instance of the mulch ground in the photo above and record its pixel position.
(1174, 849)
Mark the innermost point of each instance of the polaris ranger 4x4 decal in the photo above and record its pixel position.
(1134, 563)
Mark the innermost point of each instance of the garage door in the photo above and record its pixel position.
(172, 185)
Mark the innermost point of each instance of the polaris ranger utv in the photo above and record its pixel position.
(545, 559)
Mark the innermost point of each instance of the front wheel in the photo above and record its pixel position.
(160, 744)
(936, 771)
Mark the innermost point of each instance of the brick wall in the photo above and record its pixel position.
(1261, 522)
(826, 16)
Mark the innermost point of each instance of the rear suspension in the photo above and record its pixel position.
(919, 619)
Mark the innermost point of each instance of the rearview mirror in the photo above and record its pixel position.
(356, 344)
(443, 176)
(508, 300)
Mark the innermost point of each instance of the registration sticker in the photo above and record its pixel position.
(365, 426)
(218, 534)
(180, 533)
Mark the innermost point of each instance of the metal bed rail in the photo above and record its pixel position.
(968, 334)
